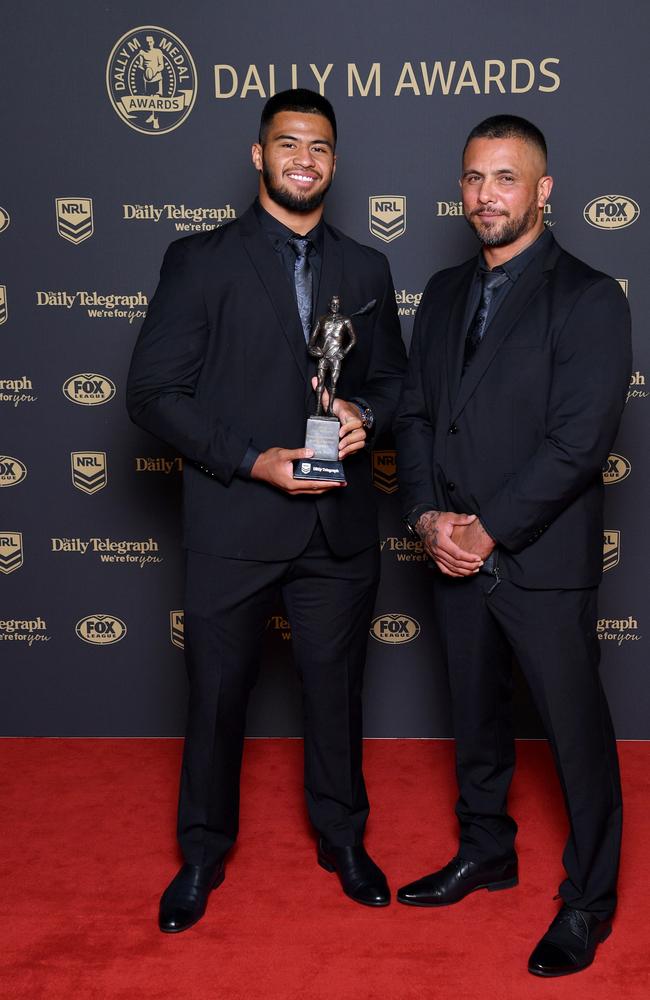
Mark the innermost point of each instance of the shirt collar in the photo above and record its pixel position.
(518, 264)
(279, 234)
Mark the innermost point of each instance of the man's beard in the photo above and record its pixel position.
(293, 202)
(510, 231)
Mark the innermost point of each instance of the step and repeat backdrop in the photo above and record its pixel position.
(128, 125)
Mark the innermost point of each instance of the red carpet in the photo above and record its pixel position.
(88, 845)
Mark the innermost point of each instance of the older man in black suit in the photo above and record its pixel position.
(517, 379)
(221, 371)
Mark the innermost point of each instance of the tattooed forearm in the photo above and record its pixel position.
(427, 528)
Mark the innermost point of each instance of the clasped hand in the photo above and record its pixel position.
(457, 543)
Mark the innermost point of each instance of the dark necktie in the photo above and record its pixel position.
(302, 276)
(490, 282)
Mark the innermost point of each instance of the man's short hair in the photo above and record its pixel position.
(508, 127)
(306, 102)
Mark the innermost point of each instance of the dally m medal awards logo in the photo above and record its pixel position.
(151, 80)
(5, 219)
(74, 219)
(387, 214)
(89, 473)
(384, 471)
(4, 312)
(177, 628)
(611, 549)
(11, 551)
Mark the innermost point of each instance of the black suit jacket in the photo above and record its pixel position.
(221, 363)
(520, 439)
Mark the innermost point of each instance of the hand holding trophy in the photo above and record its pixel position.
(332, 339)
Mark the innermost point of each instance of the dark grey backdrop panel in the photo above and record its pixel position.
(68, 667)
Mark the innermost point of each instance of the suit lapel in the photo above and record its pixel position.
(455, 340)
(269, 269)
(331, 275)
(516, 302)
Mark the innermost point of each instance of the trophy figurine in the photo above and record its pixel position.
(332, 339)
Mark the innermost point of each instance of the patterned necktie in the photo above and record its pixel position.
(490, 282)
(302, 276)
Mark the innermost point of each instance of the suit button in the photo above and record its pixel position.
(453, 429)
(451, 487)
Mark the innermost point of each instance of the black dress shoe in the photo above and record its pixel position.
(569, 944)
(362, 880)
(457, 879)
(184, 900)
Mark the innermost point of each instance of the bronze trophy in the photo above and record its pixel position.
(332, 339)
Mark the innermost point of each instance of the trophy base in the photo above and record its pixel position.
(319, 469)
(322, 436)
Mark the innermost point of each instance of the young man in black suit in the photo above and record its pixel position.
(222, 373)
(517, 379)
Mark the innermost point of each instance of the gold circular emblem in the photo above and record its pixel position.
(4, 219)
(151, 80)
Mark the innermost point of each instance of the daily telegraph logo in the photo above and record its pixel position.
(404, 549)
(134, 552)
(11, 551)
(26, 630)
(4, 219)
(616, 469)
(186, 218)
(455, 208)
(98, 305)
(4, 311)
(74, 219)
(611, 549)
(394, 629)
(151, 80)
(100, 630)
(177, 628)
(88, 389)
(387, 216)
(637, 389)
(618, 630)
(89, 472)
(158, 463)
(384, 471)
(611, 211)
(12, 471)
(15, 391)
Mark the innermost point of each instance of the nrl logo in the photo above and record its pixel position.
(89, 473)
(151, 80)
(4, 312)
(611, 549)
(384, 471)
(11, 551)
(387, 214)
(177, 628)
(74, 219)
(12, 471)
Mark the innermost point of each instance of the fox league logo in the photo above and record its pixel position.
(100, 630)
(151, 80)
(611, 211)
(74, 219)
(387, 215)
(5, 219)
(12, 471)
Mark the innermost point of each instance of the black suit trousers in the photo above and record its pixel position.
(329, 602)
(552, 634)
